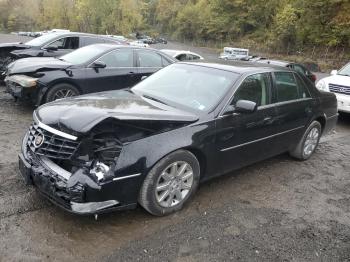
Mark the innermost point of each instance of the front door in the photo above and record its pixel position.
(63, 46)
(244, 138)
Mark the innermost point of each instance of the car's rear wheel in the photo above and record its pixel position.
(170, 183)
(60, 91)
(309, 142)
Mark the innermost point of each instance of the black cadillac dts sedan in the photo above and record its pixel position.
(152, 144)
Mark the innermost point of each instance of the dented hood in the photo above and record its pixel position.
(35, 64)
(14, 45)
(82, 113)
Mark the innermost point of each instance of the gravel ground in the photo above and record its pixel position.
(275, 210)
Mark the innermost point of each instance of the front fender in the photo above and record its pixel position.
(141, 155)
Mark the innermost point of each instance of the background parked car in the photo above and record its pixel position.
(161, 40)
(51, 45)
(138, 43)
(338, 83)
(89, 69)
(297, 67)
(182, 55)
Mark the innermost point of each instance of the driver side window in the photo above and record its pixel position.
(255, 88)
(66, 43)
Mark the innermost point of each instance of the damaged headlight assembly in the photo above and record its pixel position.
(23, 80)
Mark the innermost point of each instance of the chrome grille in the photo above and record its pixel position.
(339, 89)
(52, 146)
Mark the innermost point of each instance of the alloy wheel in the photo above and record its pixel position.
(64, 93)
(174, 184)
(311, 141)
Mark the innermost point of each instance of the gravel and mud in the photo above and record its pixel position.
(276, 210)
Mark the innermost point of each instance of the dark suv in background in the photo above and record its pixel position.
(49, 45)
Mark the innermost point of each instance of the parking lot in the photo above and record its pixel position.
(277, 210)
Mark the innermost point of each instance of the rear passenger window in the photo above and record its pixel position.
(149, 59)
(91, 40)
(286, 87)
(255, 88)
(289, 87)
(302, 88)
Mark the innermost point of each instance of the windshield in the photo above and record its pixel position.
(345, 70)
(84, 54)
(42, 40)
(189, 86)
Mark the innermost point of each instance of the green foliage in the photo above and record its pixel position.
(274, 22)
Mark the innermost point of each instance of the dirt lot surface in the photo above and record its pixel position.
(275, 210)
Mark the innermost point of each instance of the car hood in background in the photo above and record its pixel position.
(35, 64)
(15, 45)
(337, 80)
(82, 113)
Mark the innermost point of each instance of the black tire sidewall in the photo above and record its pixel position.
(54, 89)
(147, 193)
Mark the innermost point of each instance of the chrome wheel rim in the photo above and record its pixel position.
(174, 184)
(63, 93)
(311, 141)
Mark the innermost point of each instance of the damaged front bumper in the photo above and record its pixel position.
(76, 193)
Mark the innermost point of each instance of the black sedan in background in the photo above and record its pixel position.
(93, 68)
(49, 45)
(152, 144)
(295, 66)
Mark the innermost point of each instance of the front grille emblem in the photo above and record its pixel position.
(38, 140)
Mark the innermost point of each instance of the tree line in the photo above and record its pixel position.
(274, 22)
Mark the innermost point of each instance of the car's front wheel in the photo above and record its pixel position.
(309, 142)
(60, 91)
(170, 183)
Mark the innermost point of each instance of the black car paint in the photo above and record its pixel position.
(16, 51)
(221, 142)
(86, 78)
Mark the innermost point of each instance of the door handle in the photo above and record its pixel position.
(268, 120)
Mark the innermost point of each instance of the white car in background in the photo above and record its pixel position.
(139, 43)
(182, 55)
(338, 83)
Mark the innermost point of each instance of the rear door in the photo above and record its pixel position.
(294, 106)
(149, 62)
(119, 73)
(244, 138)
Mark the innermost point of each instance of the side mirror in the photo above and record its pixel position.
(51, 48)
(98, 64)
(334, 72)
(245, 106)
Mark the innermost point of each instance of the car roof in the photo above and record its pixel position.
(82, 34)
(109, 47)
(241, 67)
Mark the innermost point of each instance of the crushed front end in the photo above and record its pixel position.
(76, 173)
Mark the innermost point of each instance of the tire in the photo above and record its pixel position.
(300, 152)
(58, 91)
(150, 196)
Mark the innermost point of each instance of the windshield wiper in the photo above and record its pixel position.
(154, 99)
(343, 74)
